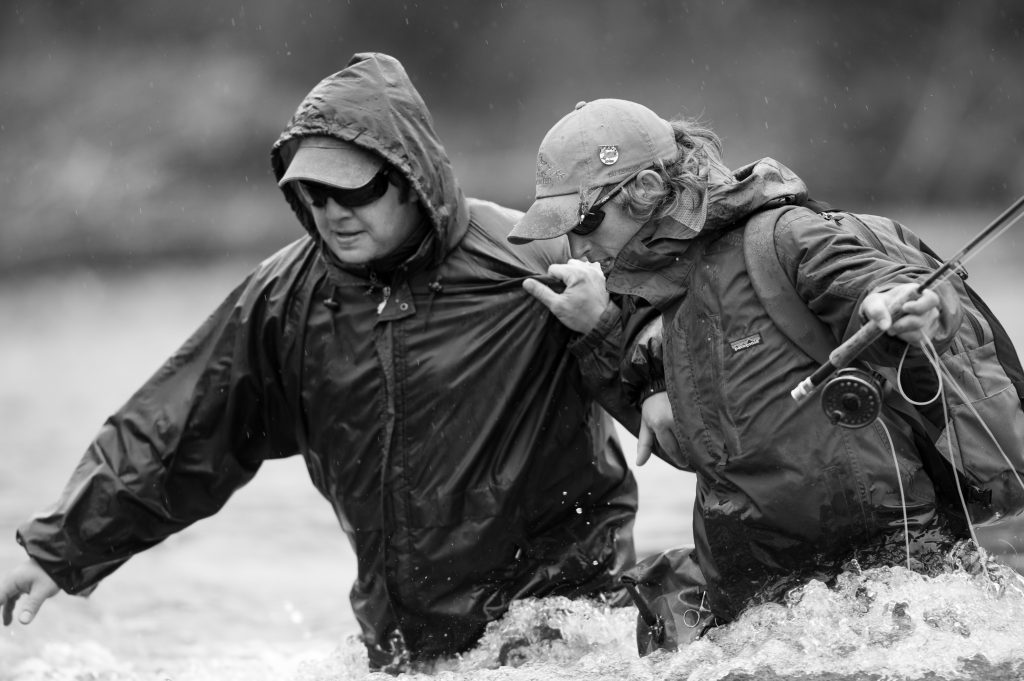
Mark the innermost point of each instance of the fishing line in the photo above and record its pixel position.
(943, 375)
(899, 377)
(970, 406)
(903, 498)
(933, 357)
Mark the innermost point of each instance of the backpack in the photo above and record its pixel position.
(981, 360)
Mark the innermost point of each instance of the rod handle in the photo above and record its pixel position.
(847, 351)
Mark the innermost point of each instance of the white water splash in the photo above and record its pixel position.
(879, 625)
(885, 623)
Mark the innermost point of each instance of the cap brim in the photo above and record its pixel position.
(340, 165)
(547, 218)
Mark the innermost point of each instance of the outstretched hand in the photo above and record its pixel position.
(31, 581)
(584, 299)
(920, 318)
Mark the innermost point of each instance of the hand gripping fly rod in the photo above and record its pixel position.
(869, 333)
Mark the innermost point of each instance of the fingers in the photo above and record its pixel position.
(40, 589)
(927, 302)
(541, 292)
(31, 604)
(30, 581)
(916, 329)
(562, 271)
(8, 608)
(9, 597)
(667, 441)
(581, 304)
(644, 444)
(656, 428)
(574, 271)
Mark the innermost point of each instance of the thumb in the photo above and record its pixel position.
(541, 292)
(33, 601)
(30, 605)
(884, 321)
(644, 444)
(874, 310)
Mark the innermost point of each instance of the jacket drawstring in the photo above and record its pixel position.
(331, 301)
(435, 289)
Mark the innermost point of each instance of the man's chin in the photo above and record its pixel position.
(351, 256)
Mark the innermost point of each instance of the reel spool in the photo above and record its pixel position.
(852, 398)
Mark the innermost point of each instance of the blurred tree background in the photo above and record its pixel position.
(138, 129)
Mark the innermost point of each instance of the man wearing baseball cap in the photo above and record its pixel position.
(448, 419)
(588, 157)
(783, 495)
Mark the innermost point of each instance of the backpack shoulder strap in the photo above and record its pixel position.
(777, 292)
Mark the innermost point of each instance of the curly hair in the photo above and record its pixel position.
(684, 179)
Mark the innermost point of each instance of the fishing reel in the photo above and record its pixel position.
(852, 398)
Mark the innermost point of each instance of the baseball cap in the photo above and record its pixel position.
(599, 143)
(332, 161)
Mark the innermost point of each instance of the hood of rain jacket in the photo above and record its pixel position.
(373, 104)
(640, 267)
(444, 416)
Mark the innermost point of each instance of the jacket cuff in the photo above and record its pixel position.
(60, 571)
(609, 320)
(655, 386)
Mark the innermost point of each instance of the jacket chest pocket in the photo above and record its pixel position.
(697, 345)
(694, 372)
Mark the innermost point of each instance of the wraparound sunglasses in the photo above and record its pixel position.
(316, 193)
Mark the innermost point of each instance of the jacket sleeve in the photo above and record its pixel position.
(173, 454)
(597, 353)
(833, 272)
(642, 363)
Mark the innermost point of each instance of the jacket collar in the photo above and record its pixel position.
(651, 265)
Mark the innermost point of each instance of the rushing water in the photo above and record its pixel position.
(258, 593)
(889, 623)
(884, 623)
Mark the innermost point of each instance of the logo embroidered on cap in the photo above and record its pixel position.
(744, 343)
(608, 155)
(548, 174)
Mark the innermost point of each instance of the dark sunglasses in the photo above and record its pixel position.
(316, 194)
(594, 216)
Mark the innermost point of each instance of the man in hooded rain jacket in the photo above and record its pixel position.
(782, 493)
(444, 413)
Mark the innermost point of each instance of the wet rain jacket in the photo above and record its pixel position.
(781, 492)
(444, 417)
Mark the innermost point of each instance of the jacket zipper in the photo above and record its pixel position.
(976, 324)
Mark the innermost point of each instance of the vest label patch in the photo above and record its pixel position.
(744, 343)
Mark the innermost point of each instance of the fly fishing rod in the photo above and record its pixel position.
(870, 332)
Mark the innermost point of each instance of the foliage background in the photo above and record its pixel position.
(132, 130)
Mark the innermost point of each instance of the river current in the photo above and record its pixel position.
(879, 624)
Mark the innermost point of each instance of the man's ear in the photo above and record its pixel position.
(649, 183)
